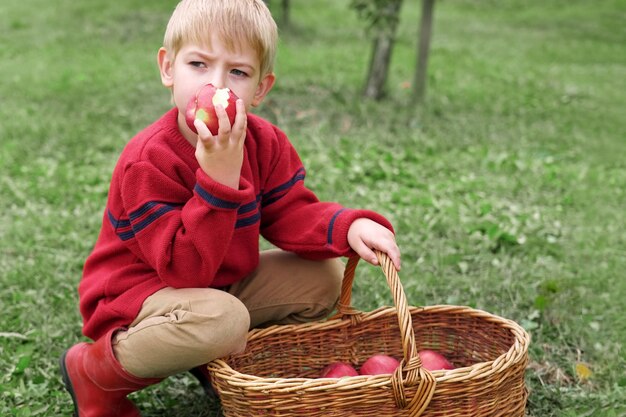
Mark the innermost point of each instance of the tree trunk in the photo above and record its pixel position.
(285, 13)
(381, 56)
(426, 24)
(379, 67)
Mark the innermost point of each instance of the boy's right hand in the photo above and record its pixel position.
(365, 236)
(221, 156)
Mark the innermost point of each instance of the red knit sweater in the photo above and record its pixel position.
(167, 223)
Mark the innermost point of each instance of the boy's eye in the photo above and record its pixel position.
(238, 73)
(198, 64)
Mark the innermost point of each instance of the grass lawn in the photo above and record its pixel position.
(507, 189)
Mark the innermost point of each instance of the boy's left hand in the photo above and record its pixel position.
(365, 235)
(221, 156)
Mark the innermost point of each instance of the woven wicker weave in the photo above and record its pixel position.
(277, 374)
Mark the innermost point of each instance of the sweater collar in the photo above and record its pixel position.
(170, 126)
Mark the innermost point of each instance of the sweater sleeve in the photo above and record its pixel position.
(183, 237)
(295, 220)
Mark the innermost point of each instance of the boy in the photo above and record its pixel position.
(176, 279)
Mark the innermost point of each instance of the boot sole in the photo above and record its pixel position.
(204, 383)
(68, 382)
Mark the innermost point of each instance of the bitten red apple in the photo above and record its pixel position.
(379, 364)
(202, 106)
(338, 370)
(434, 361)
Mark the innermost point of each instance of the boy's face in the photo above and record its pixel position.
(198, 65)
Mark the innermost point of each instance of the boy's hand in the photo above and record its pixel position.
(364, 235)
(221, 156)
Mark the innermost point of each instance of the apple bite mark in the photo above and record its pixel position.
(221, 97)
(202, 107)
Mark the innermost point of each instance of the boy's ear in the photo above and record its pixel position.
(263, 88)
(165, 68)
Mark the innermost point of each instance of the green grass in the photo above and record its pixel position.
(507, 189)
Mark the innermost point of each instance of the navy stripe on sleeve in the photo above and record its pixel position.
(122, 228)
(248, 221)
(277, 193)
(244, 210)
(150, 218)
(331, 225)
(248, 207)
(213, 200)
(117, 223)
(139, 219)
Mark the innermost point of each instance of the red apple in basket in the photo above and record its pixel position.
(338, 370)
(434, 361)
(202, 106)
(378, 365)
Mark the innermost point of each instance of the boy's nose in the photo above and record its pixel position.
(218, 79)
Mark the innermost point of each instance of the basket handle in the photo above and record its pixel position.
(411, 372)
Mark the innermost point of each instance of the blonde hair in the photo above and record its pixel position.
(234, 22)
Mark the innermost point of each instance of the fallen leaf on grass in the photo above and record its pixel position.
(583, 372)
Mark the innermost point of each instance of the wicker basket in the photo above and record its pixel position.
(277, 374)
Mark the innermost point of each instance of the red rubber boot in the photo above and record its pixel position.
(97, 382)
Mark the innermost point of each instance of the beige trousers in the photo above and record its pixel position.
(179, 329)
